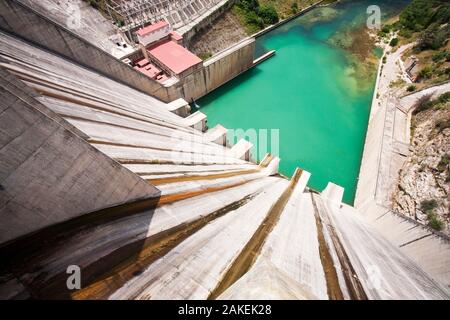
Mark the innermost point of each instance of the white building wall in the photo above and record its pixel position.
(154, 36)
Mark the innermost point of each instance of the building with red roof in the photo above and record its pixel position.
(153, 32)
(162, 55)
(176, 58)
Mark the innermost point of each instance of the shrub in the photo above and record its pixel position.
(94, 3)
(205, 55)
(384, 59)
(440, 56)
(433, 38)
(248, 5)
(443, 98)
(252, 18)
(443, 164)
(386, 28)
(428, 205)
(411, 88)
(426, 72)
(441, 125)
(393, 42)
(423, 103)
(434, 221)
(405, 33)
(268, 14)
(294, 8)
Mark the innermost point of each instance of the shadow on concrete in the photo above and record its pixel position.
(24, 276)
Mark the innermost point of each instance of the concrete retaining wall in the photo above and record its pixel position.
(428, 248)
(218, 70)
(22, 21)
(49, 174)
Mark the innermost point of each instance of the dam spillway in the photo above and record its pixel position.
(308, 91)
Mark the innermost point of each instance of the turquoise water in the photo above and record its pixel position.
(309, 92)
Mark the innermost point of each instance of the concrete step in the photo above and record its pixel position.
(130, 155)
(198, 183)
(168, 170)
(179, 107)
(218, 135)
(241, 150)
(196, 120)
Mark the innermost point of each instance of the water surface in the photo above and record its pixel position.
(316, 90)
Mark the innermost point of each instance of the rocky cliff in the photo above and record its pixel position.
(422, 192)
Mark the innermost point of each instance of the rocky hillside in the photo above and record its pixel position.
(225, 31)
(423, 190)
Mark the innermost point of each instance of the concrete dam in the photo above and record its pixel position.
(97, 173)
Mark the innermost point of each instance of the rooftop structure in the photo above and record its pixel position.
(153, 33)
(175, 57)
(162, 54)
(152, 28)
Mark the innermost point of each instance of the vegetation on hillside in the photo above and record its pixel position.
(425, 22)
(256, 15)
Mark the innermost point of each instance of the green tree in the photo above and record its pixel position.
(248, 5)
(294, 7)
(393, 42)
(253, 19)
(268, 14)
(417, 15)
(433, 37)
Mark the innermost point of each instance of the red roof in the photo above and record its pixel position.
(150, 28)
(174, 56)
(175, 36)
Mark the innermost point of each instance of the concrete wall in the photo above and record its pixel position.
(219, 69)
(49, 174)
(368, 173)
(22, 21)
(428, 248)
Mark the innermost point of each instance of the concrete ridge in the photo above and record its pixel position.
(250, 252)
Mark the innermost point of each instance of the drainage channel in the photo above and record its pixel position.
(248, 255)
(354, 286)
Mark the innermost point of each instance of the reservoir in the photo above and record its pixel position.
(316, 91)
